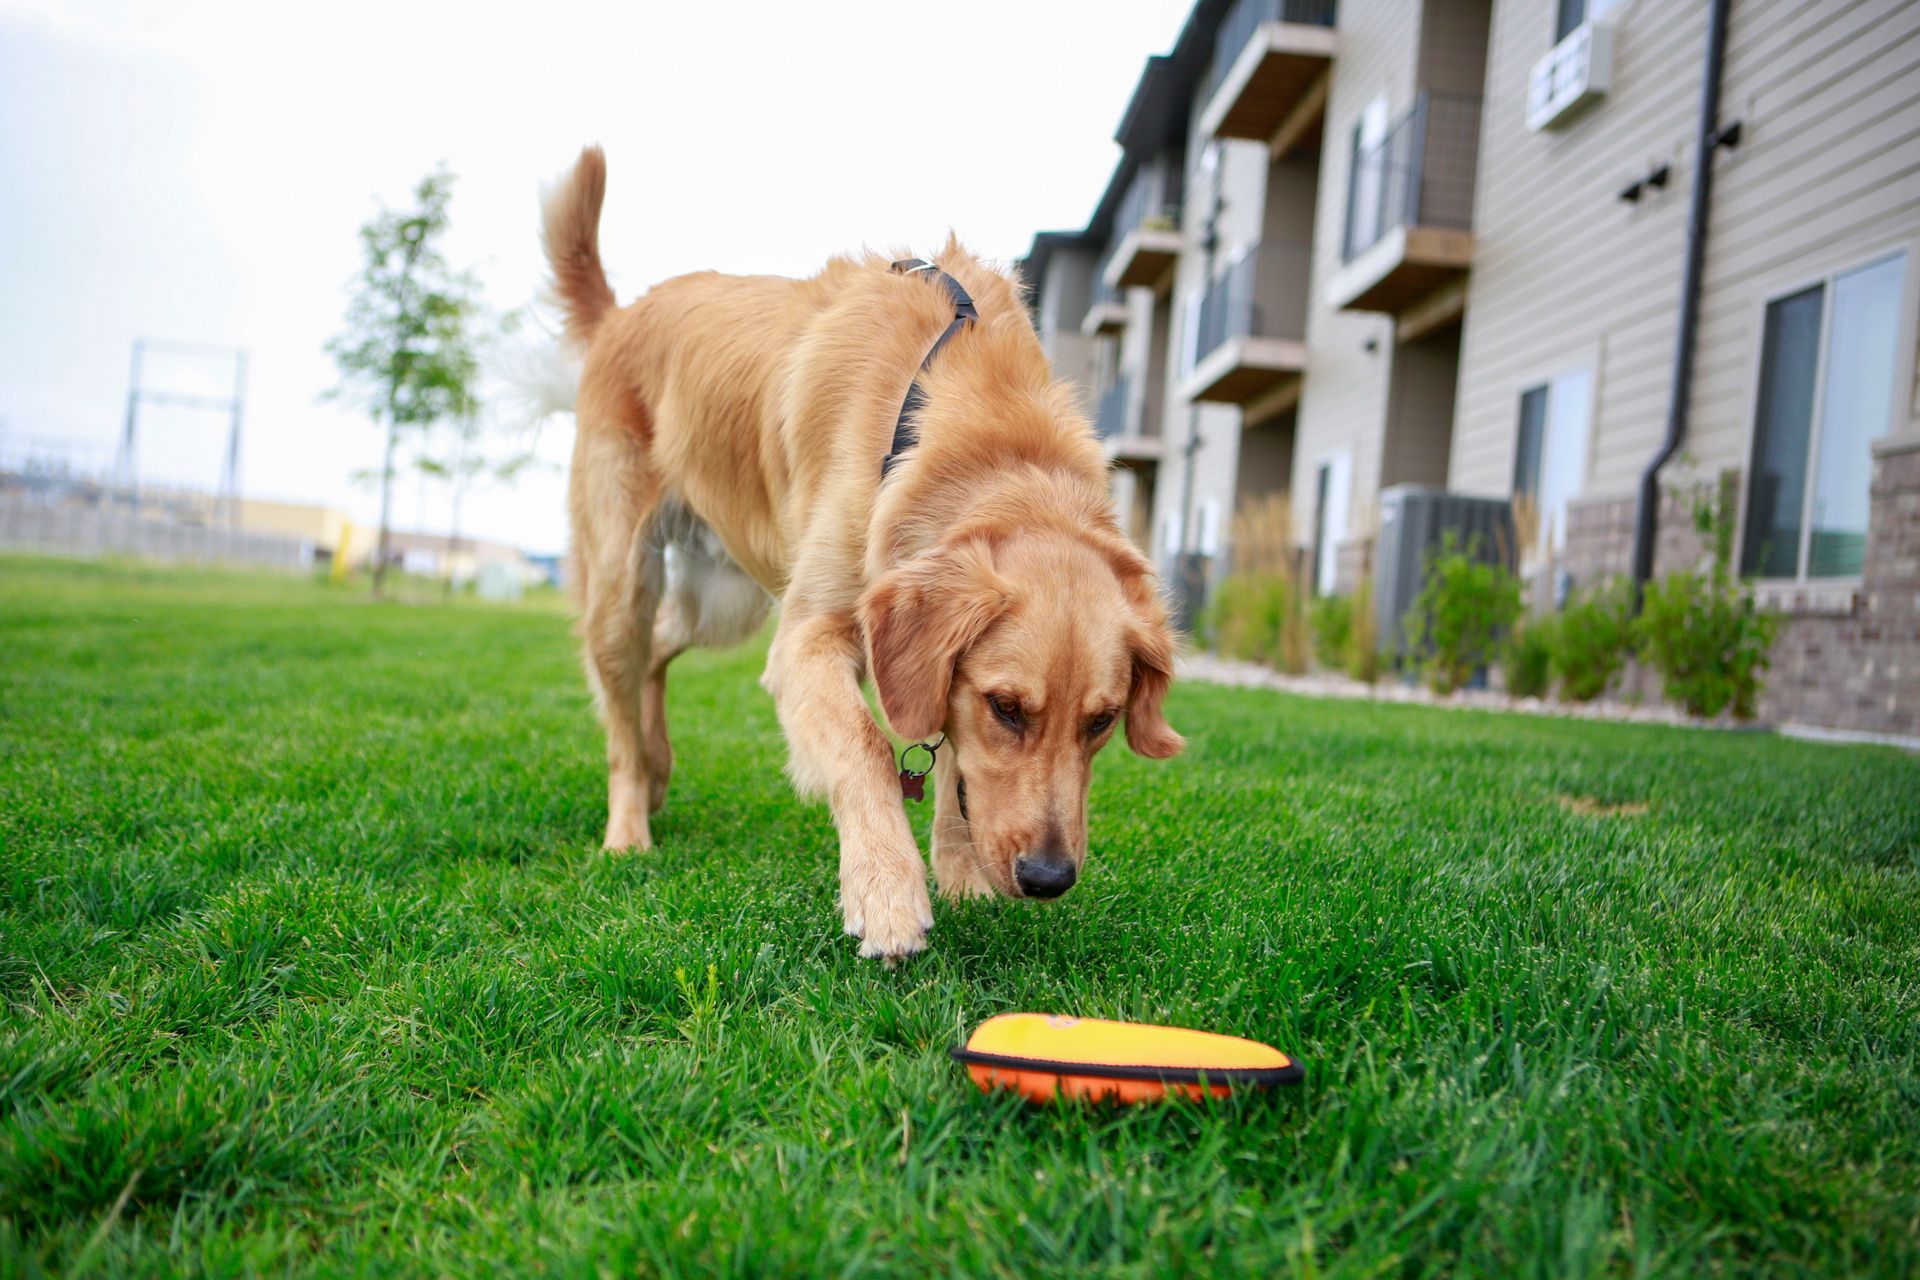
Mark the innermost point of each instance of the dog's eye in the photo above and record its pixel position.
(1007, 709)
(1101, 723)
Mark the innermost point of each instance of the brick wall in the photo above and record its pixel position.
(1848, 656)
(1850, 659)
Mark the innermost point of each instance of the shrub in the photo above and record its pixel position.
(1702, 631)
(1711, 645)
(1591, 642)
(1258, 613)
(1465, 604)
(1331, 620)
(1254, 617)
(1363, 634)
(1527, 659)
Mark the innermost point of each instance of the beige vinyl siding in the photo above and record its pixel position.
(1420, 403)
(1062, 305)
(1828, 174)
(1453, 46)
(1343, 399)
(1065, 292)
(1241, 179)
(1565, 274)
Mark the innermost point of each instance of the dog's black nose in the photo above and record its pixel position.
(1043, 876)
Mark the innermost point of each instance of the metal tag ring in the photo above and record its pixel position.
(931, 748)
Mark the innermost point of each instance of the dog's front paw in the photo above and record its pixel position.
(890, 915)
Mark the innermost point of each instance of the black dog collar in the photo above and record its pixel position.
(905, 431)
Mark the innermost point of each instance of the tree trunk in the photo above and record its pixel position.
(393, 422)
(459, 491)
(386, 508)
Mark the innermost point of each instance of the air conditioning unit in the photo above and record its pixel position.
(1575, 71)
(1414, 518)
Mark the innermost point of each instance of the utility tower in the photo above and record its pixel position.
(233, 405)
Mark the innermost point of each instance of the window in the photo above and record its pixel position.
(1367, 179)
(1332, 487)
(1190, 329)
(1827, 364)
(1550, 455)
(1570, 15)
(1170, 533)
(1207, 527)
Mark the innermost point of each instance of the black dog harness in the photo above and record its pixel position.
(905, 430)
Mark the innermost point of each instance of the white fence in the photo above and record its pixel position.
(29, 523)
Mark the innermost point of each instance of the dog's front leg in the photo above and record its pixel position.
(836, 750)
(958, 867)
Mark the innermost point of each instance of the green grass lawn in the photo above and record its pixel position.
(312, 964)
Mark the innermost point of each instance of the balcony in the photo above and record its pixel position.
(1410, 208)
(1127, 437)
(1268, 58)
(1146, 227)
(1249, 329)
(1107, 313)
(1112, 419)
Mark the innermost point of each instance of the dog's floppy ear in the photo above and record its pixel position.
(1148, 732)
(918, 619)
(1151, 642)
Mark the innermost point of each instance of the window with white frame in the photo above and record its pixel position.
(1170, 533)
(1190, 329)
(1206, 527)
(1332, 495)
(1550, 454)
(1365, 206)
(1828, 359)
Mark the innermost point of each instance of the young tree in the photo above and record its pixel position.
(406, 354)
(472, 451)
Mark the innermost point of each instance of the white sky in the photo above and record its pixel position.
(198, 171)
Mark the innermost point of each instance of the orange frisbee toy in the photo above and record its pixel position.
(1045, 1057)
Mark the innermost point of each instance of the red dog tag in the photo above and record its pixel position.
(913, 786)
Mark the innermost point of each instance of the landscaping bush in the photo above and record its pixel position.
(1331, 620)
(1363, 634)
(1592, 639)
(1527, 658)
(1257, 618)
(1465, 605)
(1703, 632)
(1708, 640)
(1258, 613)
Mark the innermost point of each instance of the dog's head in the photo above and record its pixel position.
(1029, 652)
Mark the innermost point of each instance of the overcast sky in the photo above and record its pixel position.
(197, 171)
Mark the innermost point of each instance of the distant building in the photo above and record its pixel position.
(1442, 242)
(433, 555)
(326, 531)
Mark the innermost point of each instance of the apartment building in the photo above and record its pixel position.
(1446, 243)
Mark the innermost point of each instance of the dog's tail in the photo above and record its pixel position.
(570, 225)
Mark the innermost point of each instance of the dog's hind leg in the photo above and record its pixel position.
(614, 495)
(710, 603)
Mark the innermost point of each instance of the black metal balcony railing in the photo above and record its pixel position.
(1149, 199)
(1263, 295)
(1247, 16)
(1112, 419)
(1103, 292)
(1420, 173)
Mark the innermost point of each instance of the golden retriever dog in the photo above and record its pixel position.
(731, 436)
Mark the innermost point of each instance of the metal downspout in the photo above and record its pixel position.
(1647, 518)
